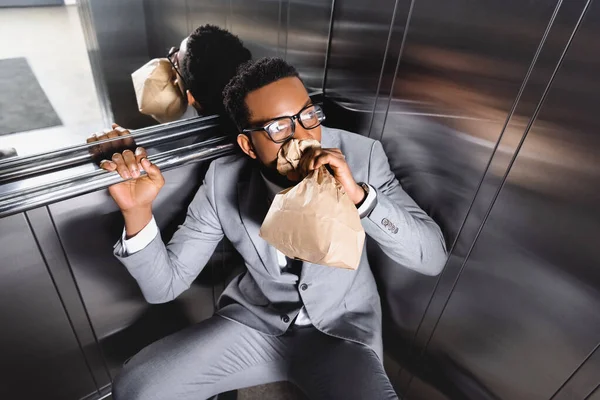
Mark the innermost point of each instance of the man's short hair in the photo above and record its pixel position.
(211, 60)
(252, 76)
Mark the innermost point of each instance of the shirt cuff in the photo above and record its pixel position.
(141, 240)
(369, 203)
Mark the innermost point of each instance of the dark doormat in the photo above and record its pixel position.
(23, 104)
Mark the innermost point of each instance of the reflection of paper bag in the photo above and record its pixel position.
(315, 221)
(157, 92)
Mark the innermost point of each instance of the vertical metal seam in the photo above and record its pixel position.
(590, 394)
(328, 48)
(279, 30)
(287, 28)
(572, 375)
(229, 18)
(188, 20)
(387, 46)
(487, 167)
(91, 41)
(510, 165)
(404, 36)
(61, 300)
(87, 314)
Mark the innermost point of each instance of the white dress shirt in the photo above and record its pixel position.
(149, 232)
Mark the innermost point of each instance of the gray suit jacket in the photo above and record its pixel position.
(232, 203)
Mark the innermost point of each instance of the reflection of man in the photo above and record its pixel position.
(205, 62)
(318, 327)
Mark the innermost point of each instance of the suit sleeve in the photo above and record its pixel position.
(164, 272)
(403, 231)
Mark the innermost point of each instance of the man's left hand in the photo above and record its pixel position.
(317, 157)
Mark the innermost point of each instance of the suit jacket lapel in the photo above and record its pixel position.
(328, 139)
(253, 206)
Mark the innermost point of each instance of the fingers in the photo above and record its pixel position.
(153, 172)
(108, 165)
(140, 153)
(131, 163)
(109, 144)
(122, 169)
(320, 157)
(128, 141)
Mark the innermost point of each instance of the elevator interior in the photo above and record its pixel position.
(487, 111)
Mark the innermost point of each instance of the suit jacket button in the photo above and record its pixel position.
(285, 318)
(304, 286)
(385, 222)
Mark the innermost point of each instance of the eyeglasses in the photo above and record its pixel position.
(172, 57)
(283, 128)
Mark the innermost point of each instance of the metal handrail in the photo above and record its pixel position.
(20, 201)
(22, 167)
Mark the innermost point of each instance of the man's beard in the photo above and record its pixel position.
(273, 176)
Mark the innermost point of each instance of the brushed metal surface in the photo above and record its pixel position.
(42, 226)
(124, 323)
(595, 395)
(120, 47)
(40, 354)
(359, 41)
(460, 71)
(584, 379)
(307, 38)
(522, 315)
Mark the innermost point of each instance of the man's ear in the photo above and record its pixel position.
(192, 101)
(246, 145)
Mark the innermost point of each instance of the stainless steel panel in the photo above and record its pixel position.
(43, 228)
(359, 41)
(167, 23)
(121, 48)
(307, 38)
(584, 379)
(124, 323)
(461, 70)
(537, 78)
(258, 24)
(41, 357)
(523, 314)
(595, 395)
(398, 34)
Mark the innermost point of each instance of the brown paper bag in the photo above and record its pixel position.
(157, 92)
(315, 221)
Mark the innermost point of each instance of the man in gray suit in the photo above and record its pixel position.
(316, 326)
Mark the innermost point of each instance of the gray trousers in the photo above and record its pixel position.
(218, 355)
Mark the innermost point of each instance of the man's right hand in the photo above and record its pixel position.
(134, 196)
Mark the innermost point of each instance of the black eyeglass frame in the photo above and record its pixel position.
(293, 118)
(172, 52)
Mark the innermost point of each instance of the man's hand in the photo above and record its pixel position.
(134, 196)
(104, 151)
(315, 158)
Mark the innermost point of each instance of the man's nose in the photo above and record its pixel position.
(301, 133)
